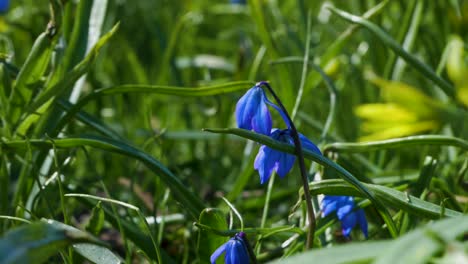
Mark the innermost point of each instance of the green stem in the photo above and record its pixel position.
(302, 167)
(397, 143)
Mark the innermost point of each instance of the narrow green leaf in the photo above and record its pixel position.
(386, 195)
(37, 242)
(78, 41)
(97, 254)
(403, 142)
(188, 200)
(30, 73)
(157, 89)
(420, 245)
(132, 232)
(34, 66)
(42, 102)
(392, 44)
(347, 176)
(208, 241)
(363, 252)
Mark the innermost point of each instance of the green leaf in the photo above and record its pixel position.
(37, 242)
(132, 232)
(393, 45)
(42, 102)
(96, 221)
(418, 246)
(422, 244)
(208, 241)
(185, 197)
(388, 196)
(404, 142)
(347, 176)
(353, 253)
(97, 254)
(30, 73)
(156, 89)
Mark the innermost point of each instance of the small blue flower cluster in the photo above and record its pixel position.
(346, 212)
(252, 113)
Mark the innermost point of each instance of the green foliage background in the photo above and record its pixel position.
(103, 105)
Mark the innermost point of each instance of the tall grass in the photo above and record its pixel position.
(118, 139)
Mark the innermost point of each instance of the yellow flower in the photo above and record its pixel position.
(457, 70)
(406, 112)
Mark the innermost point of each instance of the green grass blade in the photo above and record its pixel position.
(393, 45)
(37, 242)
(389, 196)
(208, 241)
(30, 74)
(347, 176)
(351, 253)
(404, 142)
(421, 245)
(156, 89)
(42, 102)
(132, 232)
(189, 201)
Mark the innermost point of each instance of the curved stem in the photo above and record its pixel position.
(302, 167)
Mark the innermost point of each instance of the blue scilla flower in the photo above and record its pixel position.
(346, 213)
(235, 251)
(269, 160)
(4, 4)
(252, 111)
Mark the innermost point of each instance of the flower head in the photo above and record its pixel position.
(344, 207)
(269, 160)
(4, 4)
(252, 111)
(236, 251)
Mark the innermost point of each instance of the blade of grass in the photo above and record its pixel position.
(393, 45)
(389, 196)
(192, 203)
(404, 142)
(347, 176)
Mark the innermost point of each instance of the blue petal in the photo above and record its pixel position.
(246, 108)
(348, 223)
(362, 221)
(229, 249)
(239, 253)
(286, 161)
(218, 253)
(265, 162)
(307, 144)
(329, 204)
(252, 112)
(261, 121)
(344, 210)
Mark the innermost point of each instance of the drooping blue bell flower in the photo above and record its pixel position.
(269, 160)
(235, 251)
(4, 4)
(346, 213)
(252, 111)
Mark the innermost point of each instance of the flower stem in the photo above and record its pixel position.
(302, 167)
